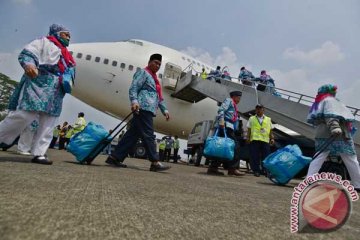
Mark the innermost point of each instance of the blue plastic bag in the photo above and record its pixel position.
(285, 163)
(68, 80)
(219, 147)
(82, 143)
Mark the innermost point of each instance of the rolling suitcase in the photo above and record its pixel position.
(285, 163)
(334, 164)
(87, 144)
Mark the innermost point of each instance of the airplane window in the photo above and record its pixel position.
(138, 43)
(71, 52)
(97, 59)
(114, 63)
(160, 75)
(79, 55)
(106, 61)
(138, 69)
(193, 62)
(131, 67)
(198, 64)
(122, 65)
(88, 57)
(189, 60)
(183, 58)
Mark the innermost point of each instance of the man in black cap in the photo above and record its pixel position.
(228, 119)
(145, 97)
(260, 137)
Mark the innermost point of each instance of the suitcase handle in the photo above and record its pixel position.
(324, 146)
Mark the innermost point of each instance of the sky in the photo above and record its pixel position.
(301, 44)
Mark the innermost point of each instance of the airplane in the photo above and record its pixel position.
(105, 71)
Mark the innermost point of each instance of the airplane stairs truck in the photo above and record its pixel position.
(290, 110)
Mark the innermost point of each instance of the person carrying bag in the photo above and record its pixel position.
(223, 148)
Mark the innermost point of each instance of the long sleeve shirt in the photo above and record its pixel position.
(143, 92)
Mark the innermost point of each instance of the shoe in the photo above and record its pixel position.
(41, 160)
(114, 162)
(235, 172)
(214, 171)
(257, 174)
(23, 153)
(158, 167)
(4, 146)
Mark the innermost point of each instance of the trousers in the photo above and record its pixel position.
(16, 121)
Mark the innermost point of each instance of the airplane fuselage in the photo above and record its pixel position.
(105, 71)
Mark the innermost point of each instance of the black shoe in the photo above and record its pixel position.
(41, 160)
(4, 146)
(257, 174)
(158, 167)
(114, 162)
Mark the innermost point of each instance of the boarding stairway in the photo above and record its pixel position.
(290, 110)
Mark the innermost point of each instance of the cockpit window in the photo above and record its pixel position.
(135, 42)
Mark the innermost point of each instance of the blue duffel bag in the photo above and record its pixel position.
(285, 163)
(84, 142)
(219, 147)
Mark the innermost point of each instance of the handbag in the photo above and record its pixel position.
(67, 80)
(219, 147)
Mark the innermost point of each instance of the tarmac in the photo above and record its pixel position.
(71, 201)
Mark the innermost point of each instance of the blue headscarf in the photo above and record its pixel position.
(56, 28)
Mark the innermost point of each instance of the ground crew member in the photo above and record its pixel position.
(176, 148)
(203, 74)
(161, 149)
(69, 134)
(260, 137)
(80, 123)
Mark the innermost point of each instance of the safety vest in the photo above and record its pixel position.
(203, 75)
(56, 132)
(79, 125)
(162, 145)
(260, 132)
(176, 144)
(69, 133)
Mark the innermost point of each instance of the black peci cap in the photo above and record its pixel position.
(155, 56)
(235, 93)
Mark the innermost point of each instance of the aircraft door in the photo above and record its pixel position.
(172, 73)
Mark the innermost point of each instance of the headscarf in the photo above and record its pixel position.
(55, 30)
(327, 106)
(54, 36)
(327, 90)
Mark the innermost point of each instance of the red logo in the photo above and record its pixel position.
(326, 206)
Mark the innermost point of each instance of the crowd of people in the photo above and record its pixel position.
(62, 134)
(165, 146)
(37, 103)
(263, 83)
